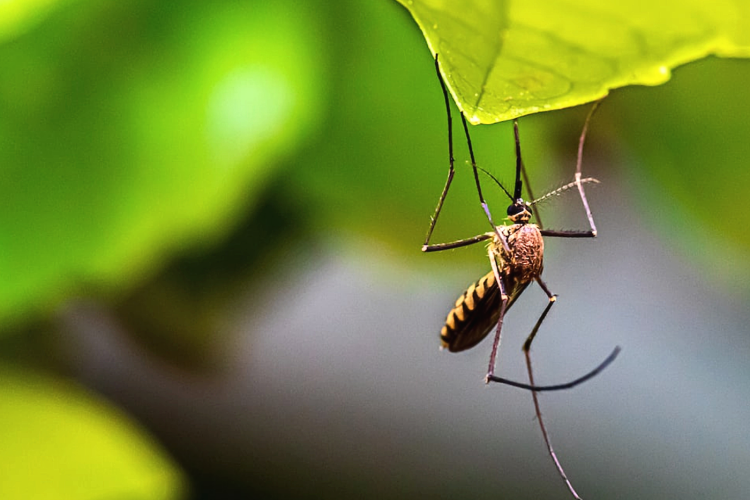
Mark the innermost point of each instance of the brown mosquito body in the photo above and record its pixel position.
(516, 255)
(477, 310)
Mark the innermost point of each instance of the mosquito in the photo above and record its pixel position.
(516, 252)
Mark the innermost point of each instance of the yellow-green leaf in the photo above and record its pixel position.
(504, 59)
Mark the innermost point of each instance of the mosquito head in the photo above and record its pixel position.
(519, 212)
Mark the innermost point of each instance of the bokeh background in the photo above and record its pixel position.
(211, 217)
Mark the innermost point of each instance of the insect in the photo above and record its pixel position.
(516, 253)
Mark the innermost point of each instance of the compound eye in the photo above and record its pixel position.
(515, 209)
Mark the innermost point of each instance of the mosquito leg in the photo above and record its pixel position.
(531, 196)
(568, 234)
(474, 167)
(504, 299)
(552, 298)
(451, 171)
(503, 306)
(434, 218)
(476, 172)
(557, 387)
(567, 385)
(545, 434)
(579, 161)
(535, 396)
(522, 168)
(436, 247)
(578, 182)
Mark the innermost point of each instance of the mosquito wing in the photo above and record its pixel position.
(476, 312)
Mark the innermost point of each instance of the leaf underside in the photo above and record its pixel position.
(504, 59)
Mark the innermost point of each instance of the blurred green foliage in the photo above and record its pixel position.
(690, 142)
(127, 130)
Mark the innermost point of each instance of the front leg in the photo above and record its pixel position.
(436, 247)
(503, 306)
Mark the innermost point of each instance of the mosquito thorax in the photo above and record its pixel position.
(519, 212)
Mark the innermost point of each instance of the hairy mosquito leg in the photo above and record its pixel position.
(558, 387)
(578, 182)
(547, 441)
(552, 298)
(456, 244)
(485, 207)
(579, 161)
(531, 196)
(433, 219)
(535, 396)
(451, 170)
(503, 306)
(524, 173)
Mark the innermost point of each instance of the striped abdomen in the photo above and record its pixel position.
(476, 312)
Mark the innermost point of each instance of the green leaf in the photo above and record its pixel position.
(60, 443)
(504, 59)
(131, 130)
